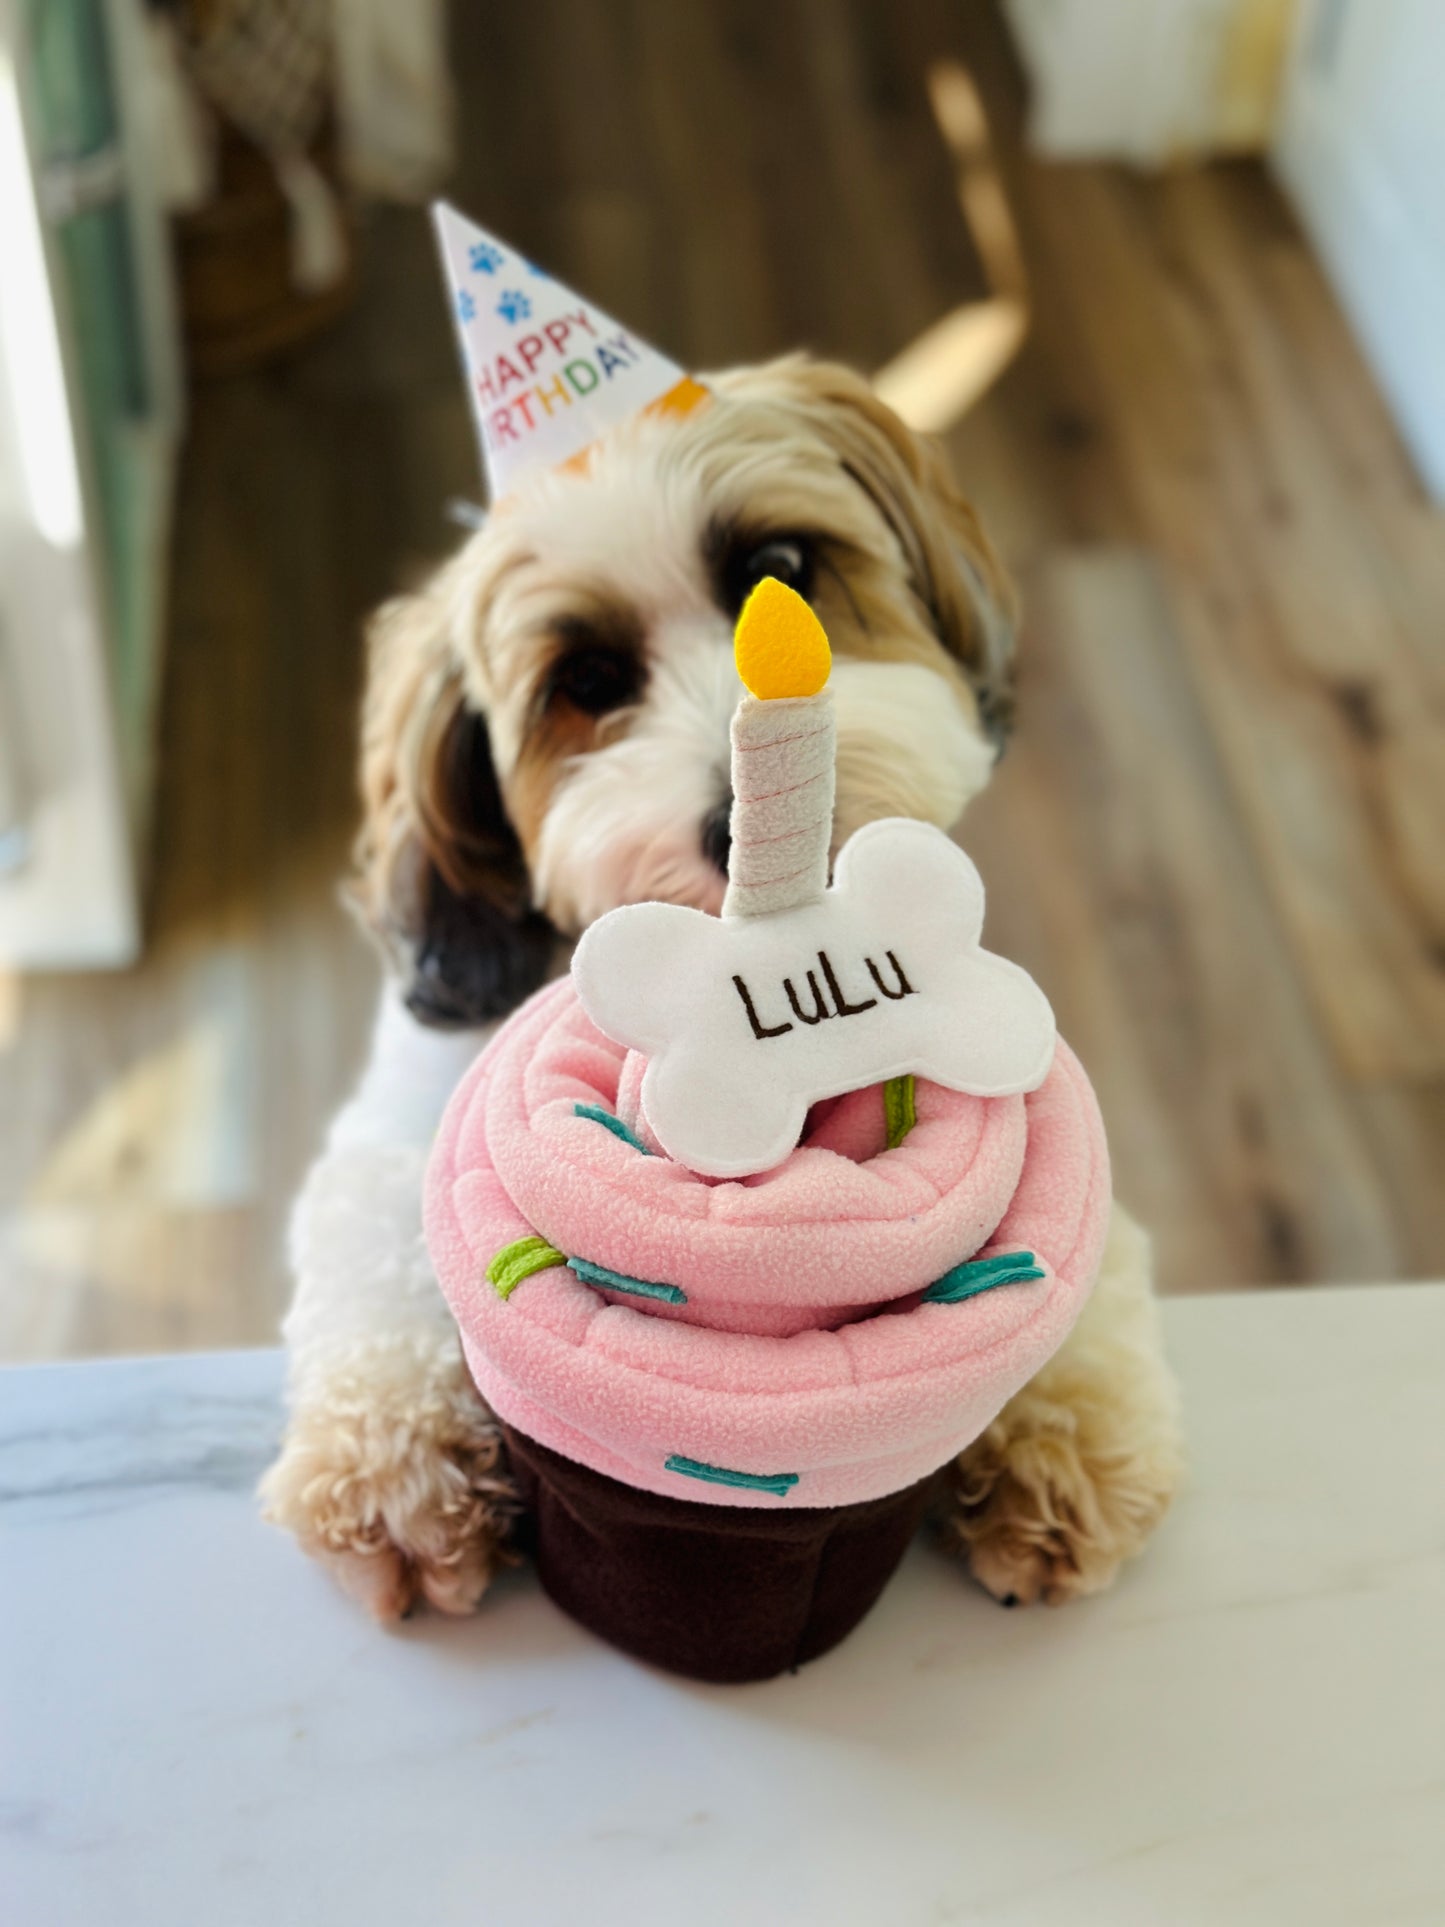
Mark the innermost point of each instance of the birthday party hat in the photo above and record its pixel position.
(548, 372)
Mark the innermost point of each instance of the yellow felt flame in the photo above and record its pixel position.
(779, 645)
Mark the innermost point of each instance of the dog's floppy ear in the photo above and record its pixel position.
(440, 875)
(956, 574)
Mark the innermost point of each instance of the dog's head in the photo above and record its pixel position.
(546, 724)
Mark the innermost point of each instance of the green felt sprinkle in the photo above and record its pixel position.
(619, 1281)
(983, 1274)
(517, 1261)
(777, 1483)
(899, 1112)
(610, 1123)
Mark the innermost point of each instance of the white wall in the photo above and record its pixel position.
(1150, 81)
(1361, 151)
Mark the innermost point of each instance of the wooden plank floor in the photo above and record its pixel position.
(1217, 839)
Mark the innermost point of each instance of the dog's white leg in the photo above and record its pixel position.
(1079, 1467)
(391, 1471)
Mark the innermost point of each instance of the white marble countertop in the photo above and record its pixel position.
(195, 1730)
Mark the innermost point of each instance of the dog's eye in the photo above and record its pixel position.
(594, 678)
(788, 557)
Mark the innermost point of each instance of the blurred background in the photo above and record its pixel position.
(1169, 277)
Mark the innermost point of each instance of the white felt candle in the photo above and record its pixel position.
(784, 746)
(782, 820)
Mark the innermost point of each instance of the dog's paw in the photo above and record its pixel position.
(1048, 1504)
(1024, 1537)
(1079, 1467)
(401, 1502)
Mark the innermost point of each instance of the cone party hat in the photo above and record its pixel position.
(548, 372)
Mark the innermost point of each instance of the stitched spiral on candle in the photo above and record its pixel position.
(782, 822)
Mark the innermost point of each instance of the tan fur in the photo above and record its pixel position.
(399, 1488)
(971, 610)
(413, 699)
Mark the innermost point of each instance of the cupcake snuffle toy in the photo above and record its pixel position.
(754, 1222)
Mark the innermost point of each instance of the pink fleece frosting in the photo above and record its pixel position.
(803, 1348)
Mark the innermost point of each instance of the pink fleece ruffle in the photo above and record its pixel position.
(802, 1347)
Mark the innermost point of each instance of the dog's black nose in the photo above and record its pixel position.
(717, 836)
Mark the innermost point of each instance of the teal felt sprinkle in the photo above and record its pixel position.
(982, 1274)
(778, 1483)
(610, 1123)
(619, 1281)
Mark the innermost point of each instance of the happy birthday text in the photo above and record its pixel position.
(573, 368)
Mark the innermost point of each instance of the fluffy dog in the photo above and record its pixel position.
(546, 736)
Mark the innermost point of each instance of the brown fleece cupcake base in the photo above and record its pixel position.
(715, 1592)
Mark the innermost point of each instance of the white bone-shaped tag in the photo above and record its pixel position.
(747, 1021)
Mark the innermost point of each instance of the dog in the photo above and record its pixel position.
(545, 736)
